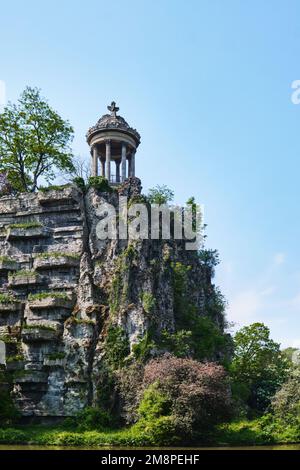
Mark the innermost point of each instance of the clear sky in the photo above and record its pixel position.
(208, 85)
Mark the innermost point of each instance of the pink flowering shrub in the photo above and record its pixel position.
(196, 395)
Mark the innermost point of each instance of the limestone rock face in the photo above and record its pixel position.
(61, 287)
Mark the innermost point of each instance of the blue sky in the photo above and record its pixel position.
(208, 85)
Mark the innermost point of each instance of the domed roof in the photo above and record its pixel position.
(112, 121)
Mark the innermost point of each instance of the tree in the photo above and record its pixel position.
(34, 142)
(258, 367)
(160, 195)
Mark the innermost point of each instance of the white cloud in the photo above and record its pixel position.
(244, 307)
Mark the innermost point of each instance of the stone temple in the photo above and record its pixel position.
(113, 145)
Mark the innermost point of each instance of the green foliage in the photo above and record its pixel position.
(154, 403)
(148, 301)
(34, 142)
(6, 259)
(160, 195)
(196, 211)
(56, 356)
(120, 283)
(39, 326)
(209, 258)
(23, 272)
(259, 364)
(201, 337)
(8, 411)
(26, 225)
(142, 350)
(7, 299)
(91, 418)
(80, 321)
(53, 187)
(57, 254)
(178, 343)
(46, 295)
(15, 358)
(195, 395)
(100, 184)
(8, 339)
(116, 346)
(80, 183)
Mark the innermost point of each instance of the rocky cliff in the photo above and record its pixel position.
(71, 304)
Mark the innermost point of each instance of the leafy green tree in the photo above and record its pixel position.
(258, 367)
(34, 142)
(160, 195)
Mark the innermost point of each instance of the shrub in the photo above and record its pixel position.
(286, 402)
(117, 346)
(128, 383)
(80, 183)
(197, 394)
(8, 411)
(148, 301)
(91, 418)
(100, 184)
(143, 349)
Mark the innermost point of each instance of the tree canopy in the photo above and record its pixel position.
(258, 365)
(34, 142)
(160, 195)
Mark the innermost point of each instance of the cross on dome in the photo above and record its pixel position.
(113, 108)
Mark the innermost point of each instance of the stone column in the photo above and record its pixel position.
(129, 166)
(118, 162)
(108, 155)
(123, 161)
(103, 168)
(133, 163)
(95, 161)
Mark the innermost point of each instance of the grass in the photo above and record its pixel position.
(39, 327)
(7, 299)
(80, 321)
(26, 225)
(60, 436)
(54, 188)
(57, 254)
(23, 272)
(240, 433)
(46, 295)
(262, 431)
(6, 259)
